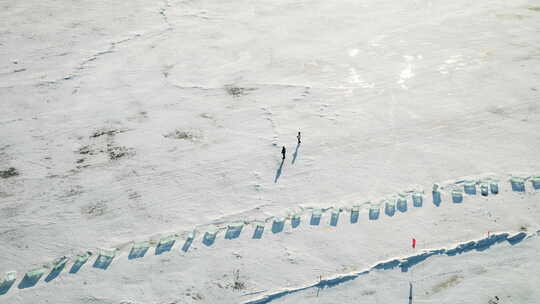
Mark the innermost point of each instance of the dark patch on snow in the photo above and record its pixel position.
(185, 135)
(236, 92)
(9, 172)
(95, 210)
(116, 152)
(108, 132)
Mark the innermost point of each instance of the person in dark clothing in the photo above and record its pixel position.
(283, 151)
(299, 136)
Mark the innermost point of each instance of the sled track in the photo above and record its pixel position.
(207, 233)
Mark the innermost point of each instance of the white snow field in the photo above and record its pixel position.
(140, 151)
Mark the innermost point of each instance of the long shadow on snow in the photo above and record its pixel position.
(6, 286)
(278, 172)
(55, 272)
(404, 264)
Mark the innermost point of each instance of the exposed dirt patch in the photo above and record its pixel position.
(116, 152)
(74, 191)
(368, 292)
(88, 150)
(450, 282)
(185, 135)
(13, 237)
(94, 210)
(235, 91)
(8, 212)
(108, 132)
(9, 172)
(494, 300)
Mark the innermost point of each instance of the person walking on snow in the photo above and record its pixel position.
(283, 151)
(299, 136)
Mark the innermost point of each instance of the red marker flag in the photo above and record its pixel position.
(413, 243)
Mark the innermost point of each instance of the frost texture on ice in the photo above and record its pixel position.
(469, 187)
(402, 203)
(457, 196)
(139, 249)
(518, 183)
(484, 189)
(104, 259)
(417, 198)
(494, 187)
(535, 180)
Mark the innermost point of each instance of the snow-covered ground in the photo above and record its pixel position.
(133, 121)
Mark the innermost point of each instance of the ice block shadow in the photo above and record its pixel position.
(389, 209)
(6, 286)
(436, 198)
(233, 233)
(209, 239)
(457, 198)
(295, 222)
(257, 234)
(103, 262)
(417, 201)
(354, 217)
(484, 244)
(136, 253)
(334, 219)
(277, 226)
(470, 189)
(518, 186)
(494, 188)
(164, 247)
(374, 214)
(54, 273)
(29, 281)
(315, 220)
(76, 267)
(402, 206)
(187, 244)
(515, 239)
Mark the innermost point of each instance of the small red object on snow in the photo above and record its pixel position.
(413, 243)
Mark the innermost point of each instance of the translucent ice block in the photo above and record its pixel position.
(535, 180)
(236, 225)
(212, 231)
(494, 187)
(35, 274)
(484, 189)
(82, 258)
(108, 253)
(518, 183)
(457, 196)
(469, 187)
(59, 263)
(401, 203)
(9, 277)
(167, 240)
(279, 219)
(417, 198)
(316, 213)
(389, 207)
(138, 246)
